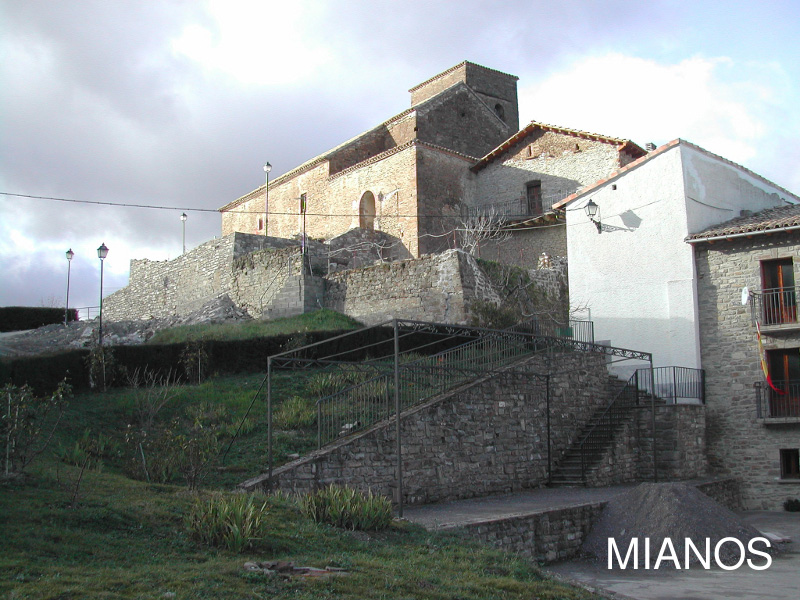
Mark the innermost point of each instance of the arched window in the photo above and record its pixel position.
(500, 111)
(366, 211)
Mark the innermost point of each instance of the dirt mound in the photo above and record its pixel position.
(668, 510)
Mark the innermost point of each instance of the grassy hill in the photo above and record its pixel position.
(107, 532)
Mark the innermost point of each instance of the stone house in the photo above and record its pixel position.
(753, 428)
(417, 176)
(652, 272)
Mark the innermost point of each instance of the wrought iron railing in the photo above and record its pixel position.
(595, 442)
(518, 208)
(772, 404)
(776, 306)
(371, 400)
(674, 385)
(582, 331)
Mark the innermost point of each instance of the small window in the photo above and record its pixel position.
(790, 463)
(260, 223)
(500, 111)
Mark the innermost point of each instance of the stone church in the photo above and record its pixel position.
(415, 180)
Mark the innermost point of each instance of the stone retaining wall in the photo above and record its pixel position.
(487, 437)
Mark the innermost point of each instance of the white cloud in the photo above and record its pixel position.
(728, 108)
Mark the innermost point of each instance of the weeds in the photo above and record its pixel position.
(234, 522)
(348, 508)
(295, 413)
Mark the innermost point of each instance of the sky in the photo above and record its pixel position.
(180, 103)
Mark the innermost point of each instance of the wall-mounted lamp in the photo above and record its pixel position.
(591, 212)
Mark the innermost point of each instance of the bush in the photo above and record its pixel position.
(348, 508)
(792, 505)
(27, 424)
(234, 522)
(89, 451)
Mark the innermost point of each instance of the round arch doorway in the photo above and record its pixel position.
(366, 211)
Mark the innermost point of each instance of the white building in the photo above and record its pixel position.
(631, 271)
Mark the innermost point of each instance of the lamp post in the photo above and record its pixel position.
(183, 220)
(70, 254)
(102, 252)
(267, 169)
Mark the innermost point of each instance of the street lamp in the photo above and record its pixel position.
(267, 169)
(183, 220)
(70, 254)
(102, 252)
(591, 212)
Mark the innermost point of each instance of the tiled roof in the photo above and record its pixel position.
(622, 144)
(660, 150)
(455, 68)
(762, 222)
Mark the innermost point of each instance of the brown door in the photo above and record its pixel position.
(784, 369)
(777, 282)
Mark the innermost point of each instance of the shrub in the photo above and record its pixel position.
(348, 508)
(792, 505)
(18, 318)
(295, 413)
(89, 451)
(234, 522)
(27, 424)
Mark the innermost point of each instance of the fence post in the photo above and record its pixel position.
(653, 419)
(397, 417)
(269, 423)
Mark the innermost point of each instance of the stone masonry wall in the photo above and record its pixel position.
(487, 437)
(739, 443)
(428, 289)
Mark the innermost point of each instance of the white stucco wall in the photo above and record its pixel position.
(637, 278)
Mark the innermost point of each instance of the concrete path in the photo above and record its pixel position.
(447, 515)
(781, 581)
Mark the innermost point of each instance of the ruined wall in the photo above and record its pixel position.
(428, 289)
(739, 443)
(524, 247)
(486, 437)
(244, 267)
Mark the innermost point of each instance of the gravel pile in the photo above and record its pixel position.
(668, 510)
(80, 334)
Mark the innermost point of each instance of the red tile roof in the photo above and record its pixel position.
(771, 220)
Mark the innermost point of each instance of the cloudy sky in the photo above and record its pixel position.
(179, 103)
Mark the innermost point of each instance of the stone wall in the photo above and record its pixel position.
(739, 443)
(487, 437)
(544, 536)
(680, 446)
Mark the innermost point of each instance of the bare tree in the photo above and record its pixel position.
(483, 226)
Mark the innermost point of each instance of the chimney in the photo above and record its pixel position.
(649, 146)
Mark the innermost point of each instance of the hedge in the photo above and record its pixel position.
(20, 318)
(44, 372)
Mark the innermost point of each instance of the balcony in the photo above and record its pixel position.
(776, 407)
(776, 309)
(519, 209)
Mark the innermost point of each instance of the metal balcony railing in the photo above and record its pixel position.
(771, 404)
(675, 385)
(776, 306)
(518, 208)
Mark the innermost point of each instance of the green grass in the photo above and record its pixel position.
(128, 539)
(320, 320)
(124, 538)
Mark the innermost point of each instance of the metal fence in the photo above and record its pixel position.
(582, 331)
(772, 404)
(674, 385)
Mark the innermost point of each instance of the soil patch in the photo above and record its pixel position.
(669, 510)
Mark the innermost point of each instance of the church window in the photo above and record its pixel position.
(500, 111)
(366, 211)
